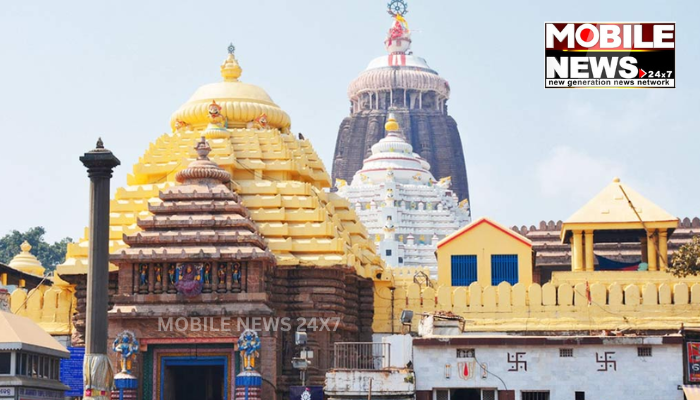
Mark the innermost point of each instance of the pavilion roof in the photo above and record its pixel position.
(618, 207)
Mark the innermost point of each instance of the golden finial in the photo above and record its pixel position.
(391, 124)
(25, 247)
(230, 70)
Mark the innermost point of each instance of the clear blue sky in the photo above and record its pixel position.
(73, 71)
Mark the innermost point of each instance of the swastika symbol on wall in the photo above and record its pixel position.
(606, 361)
(517, 362)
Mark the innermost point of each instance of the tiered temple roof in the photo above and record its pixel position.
(201, 219)
(404, 208)
(279, 178)
(401, 83)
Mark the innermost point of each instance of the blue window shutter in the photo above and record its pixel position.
(504, 267)
(463, 270)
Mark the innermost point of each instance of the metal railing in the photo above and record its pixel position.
(361, 355)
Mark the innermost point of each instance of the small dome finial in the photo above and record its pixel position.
(230, 70)
(616, 180)
(391, 124)
(25, 246)
(203, 149)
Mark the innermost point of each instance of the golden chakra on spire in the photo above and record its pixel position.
(230, 69)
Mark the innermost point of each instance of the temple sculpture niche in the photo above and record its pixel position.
(405, 85)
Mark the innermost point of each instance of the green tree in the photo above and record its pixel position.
(50, 255)
(686, 261)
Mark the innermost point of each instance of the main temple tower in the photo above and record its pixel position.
(402, 83)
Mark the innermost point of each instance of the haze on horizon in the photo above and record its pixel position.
(74, 71)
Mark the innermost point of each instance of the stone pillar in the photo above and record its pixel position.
(645, 255)
(97, 369)
(577, 257)
(651, 250)
(590, 265)
(663, 249)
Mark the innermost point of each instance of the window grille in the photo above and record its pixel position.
(535, 396)
(644, 351)
(442, 395)
(465, 353)
(487, 394)
(504, 267)
(463, 270)
(566, 352)
(388, 252)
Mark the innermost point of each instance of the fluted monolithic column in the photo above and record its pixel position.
(97, 369)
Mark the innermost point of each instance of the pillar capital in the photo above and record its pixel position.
(100, 162)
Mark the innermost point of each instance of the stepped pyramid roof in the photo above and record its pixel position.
(199, 219)
(277, 176)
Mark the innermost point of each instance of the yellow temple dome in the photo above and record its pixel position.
(241, 103)
(26, 261)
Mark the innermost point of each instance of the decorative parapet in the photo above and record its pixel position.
(404, 276)
(534, 308)
(51, 307)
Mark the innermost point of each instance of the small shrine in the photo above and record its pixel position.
(405, 209)
(237, 229)
(199, 256)
(618, 214)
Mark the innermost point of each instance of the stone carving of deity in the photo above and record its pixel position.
(236, 273)
(127, 346)
(215, 116)
(249, 349)
(143, 274)
(190, 284)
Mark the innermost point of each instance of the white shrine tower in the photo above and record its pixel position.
(404, 208)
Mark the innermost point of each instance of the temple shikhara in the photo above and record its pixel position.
(237, 227)
(401, 83)
(234, 269)
(404, 208)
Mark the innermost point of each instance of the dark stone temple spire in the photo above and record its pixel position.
(403, 84)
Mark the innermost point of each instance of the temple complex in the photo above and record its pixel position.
(403, 84)
(241, 226)
(488, 329)
(404, 208)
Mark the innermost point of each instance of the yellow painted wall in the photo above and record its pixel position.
(484, 241)
(522, 308)
(50, 307)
